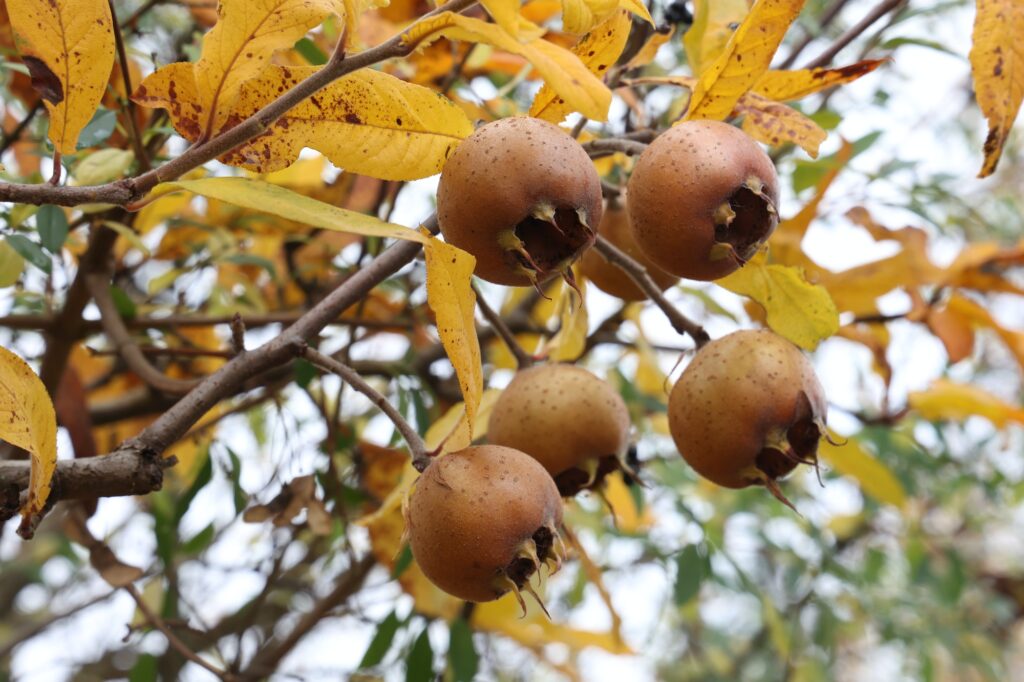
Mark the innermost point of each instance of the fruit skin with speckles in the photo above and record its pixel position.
(571, 421)
(522, 196)
(481, 520)
(702, 199)
(610, 278)
(742, 403)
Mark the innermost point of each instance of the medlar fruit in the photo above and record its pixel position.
(610, 278)
(748, 409)
(572, 422)
(702, 199)
(523, 197)
(482, 520)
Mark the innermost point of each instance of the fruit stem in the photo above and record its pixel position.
(417, 448)
(638, 273)
(523, 359)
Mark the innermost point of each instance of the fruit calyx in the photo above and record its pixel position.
(543, 548)
(546, 242)
(743, 222)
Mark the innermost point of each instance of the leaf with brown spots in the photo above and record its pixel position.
(598, 50)
(68, 48)
(997, 65)
(714, 22)
(237, 50)
(783, 86)
(743, 61)
(561, 69)
(582, 16)
(368, 122)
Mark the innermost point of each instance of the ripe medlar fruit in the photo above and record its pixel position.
(610, 278)
(523, 197)
(748, 409)
(702, 199)
(572, 422)
(482, 520)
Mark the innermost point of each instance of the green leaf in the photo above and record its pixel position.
(98, 129)
(381, 642)
(52, 225)
(200, 541)
(30, 251)
(689, 575)
(304, 372)
(124, 304)
(235, 474)
(419, 666)
(462, 654)
(403, 561)
(310, 52)
(203, 477)
(144, 670)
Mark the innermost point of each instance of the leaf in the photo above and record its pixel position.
(776, 627)
(30, 251)
(381, 642)
(68, 46)
(462, 655)
(419, 666)
(796, 309)
(689, 575)
(98, 129)
(52, 225)
(945, 400)
(449, 275)
(580, 16)
(774, 123)
(561, 69)
(874, 478)
(506, 15)
(598, 50)
(783, 86)
(997, 66)
(745, 58)
(978, 317)
(240, 45)
(714, 22)
(368, 122)
(103, 166)
(11, 264)
(28, 421)
(571, 340)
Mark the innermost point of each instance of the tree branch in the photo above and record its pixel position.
(638, 274)
(123, 192)
(851, 34)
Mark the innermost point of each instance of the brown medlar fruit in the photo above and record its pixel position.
(702, 199)
(523, 197)
(610, 278)
(571, 421)
(482, 520)
(748, 409)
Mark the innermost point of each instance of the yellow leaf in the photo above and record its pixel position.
(776, 124)
(240, 45)
(745, 58)
(506, 14)
(947, 400)
(650, 49)
(11, 264)
(802, 312)
(713, 23)
(561, 69)
(783, 86)
(620, 499)
(284, 203)
(571, 340)
(28, 421)
(976, 315)
(598, 50)
(368, 122)
(776, 626)
(449, 273)
(103, 166)
(68, 46)
(579, 16)
(997, 66)
(874, 478)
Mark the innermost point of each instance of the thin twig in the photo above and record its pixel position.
(133, 126)
(523, 359)
(638, 274)
(418, 450)
(156, 621)
(610, 145)
(854, 31)
(15, 135)
(129, 351)
(827, 17)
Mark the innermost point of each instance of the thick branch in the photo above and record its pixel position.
(638, 274)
